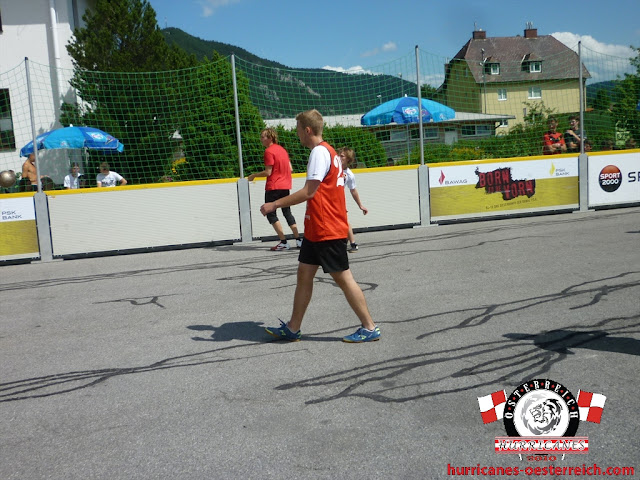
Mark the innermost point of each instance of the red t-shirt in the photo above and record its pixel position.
(278, 158)
(550, 139)
(326, 216)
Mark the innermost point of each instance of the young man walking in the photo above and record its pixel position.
(325, 233)
(277, 169)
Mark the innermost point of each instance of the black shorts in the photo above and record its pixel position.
(273, 195)
(331, 255)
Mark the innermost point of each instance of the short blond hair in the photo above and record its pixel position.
(348, 154)
(271, 134)
(313, 120)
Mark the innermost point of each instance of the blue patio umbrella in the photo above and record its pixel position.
(405, 110)
(75, 137)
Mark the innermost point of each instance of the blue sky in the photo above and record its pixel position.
(349, 34)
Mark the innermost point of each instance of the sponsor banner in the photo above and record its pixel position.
(614, 179)
(18, 233)
(484, 189)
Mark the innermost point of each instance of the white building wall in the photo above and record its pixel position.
(28, 31)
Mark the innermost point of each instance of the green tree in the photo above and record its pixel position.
(208, 123)
(123, 36)
(602, 100)
(175, 116)
(626, 98)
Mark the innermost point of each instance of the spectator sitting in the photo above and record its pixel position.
(47, 183)
(553, 143)
(74, 179)
(574, 135)
(107, 178)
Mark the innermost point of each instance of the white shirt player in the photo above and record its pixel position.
(349, 179)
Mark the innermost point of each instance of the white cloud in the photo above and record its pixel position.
(209, 7)
(435, 80)
(571, 40)
(605, 61)
(352, 70)
(387, 47)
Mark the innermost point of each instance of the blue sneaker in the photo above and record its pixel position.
(284, 333)
(362, 335)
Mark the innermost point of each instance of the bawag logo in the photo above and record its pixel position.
(458, 181)
(541, 416)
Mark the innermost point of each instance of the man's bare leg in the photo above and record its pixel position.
(302, 297)
(278, 228)
(355, 297)
(350, 236)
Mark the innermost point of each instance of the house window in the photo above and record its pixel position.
(535, 92)
(7, 138)
(535, 67)
(430, 133)
(468, 130)
(398, 135)
(492, 68)
(502, 94)
(504, 123)
(476, 130)
(484, 130)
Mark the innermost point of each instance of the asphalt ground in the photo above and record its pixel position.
(156, 365)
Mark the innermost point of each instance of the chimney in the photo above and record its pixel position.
(530, 32)
(479, 34)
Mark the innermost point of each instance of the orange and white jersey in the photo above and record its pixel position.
(326, 216)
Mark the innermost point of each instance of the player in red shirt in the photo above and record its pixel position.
(277, 169)
(325, 233)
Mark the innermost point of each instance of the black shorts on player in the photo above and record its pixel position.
(331, 255)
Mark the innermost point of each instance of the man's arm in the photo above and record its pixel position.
(123, 181)
(264, 173)
(356, 198)
(305, 193)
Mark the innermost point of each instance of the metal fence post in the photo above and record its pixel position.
(244, 207)
(583, 159)
(40, 198)
(237, 110)
(244, 200)
(423, 194)
(419, 109)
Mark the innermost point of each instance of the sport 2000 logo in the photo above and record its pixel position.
(541, 417)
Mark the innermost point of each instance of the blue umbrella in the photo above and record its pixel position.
(74, 137)
(405, 110)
